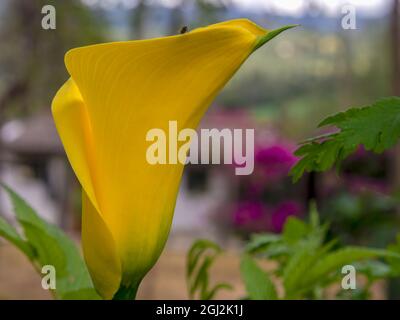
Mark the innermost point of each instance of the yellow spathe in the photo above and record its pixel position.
(116, 94)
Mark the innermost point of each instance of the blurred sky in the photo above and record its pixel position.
(283, 7)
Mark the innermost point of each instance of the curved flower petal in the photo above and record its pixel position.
(127, 89)
(99, 251)
(98, 245)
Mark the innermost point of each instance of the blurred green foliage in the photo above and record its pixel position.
(306, 264)
(200, 258)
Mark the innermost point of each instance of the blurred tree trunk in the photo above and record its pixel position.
(31, 58)
(138, 19)
(17, 89)
(209, 11)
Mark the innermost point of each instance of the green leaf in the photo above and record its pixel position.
(294, 230)
(276, 251)
(200, 258)
(376, 127)
(260, 242)
(314, 215)
(393, 262)
(299, 264)
(201, 279)
(9, 233)
(258, 284)
(195, 252)
(82, 294)
(53, 247)
(333, 262)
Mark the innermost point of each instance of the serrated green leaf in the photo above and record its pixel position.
(258, 283)
(53, 247)
(9, 233)
(376, 127)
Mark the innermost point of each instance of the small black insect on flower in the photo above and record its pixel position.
(184, 29)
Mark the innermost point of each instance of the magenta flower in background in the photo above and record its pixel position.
(275, 161)
(247, 211)
(283, 211)
(251, 216)
(261, 209)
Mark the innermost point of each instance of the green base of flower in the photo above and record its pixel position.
(126, 293)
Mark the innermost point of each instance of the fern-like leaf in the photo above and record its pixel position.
(376, 127)
(201, 257)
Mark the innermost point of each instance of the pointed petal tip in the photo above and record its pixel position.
(272, 34)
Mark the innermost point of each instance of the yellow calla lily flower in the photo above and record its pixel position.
(116, 94)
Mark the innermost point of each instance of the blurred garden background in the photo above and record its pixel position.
(283, 91)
